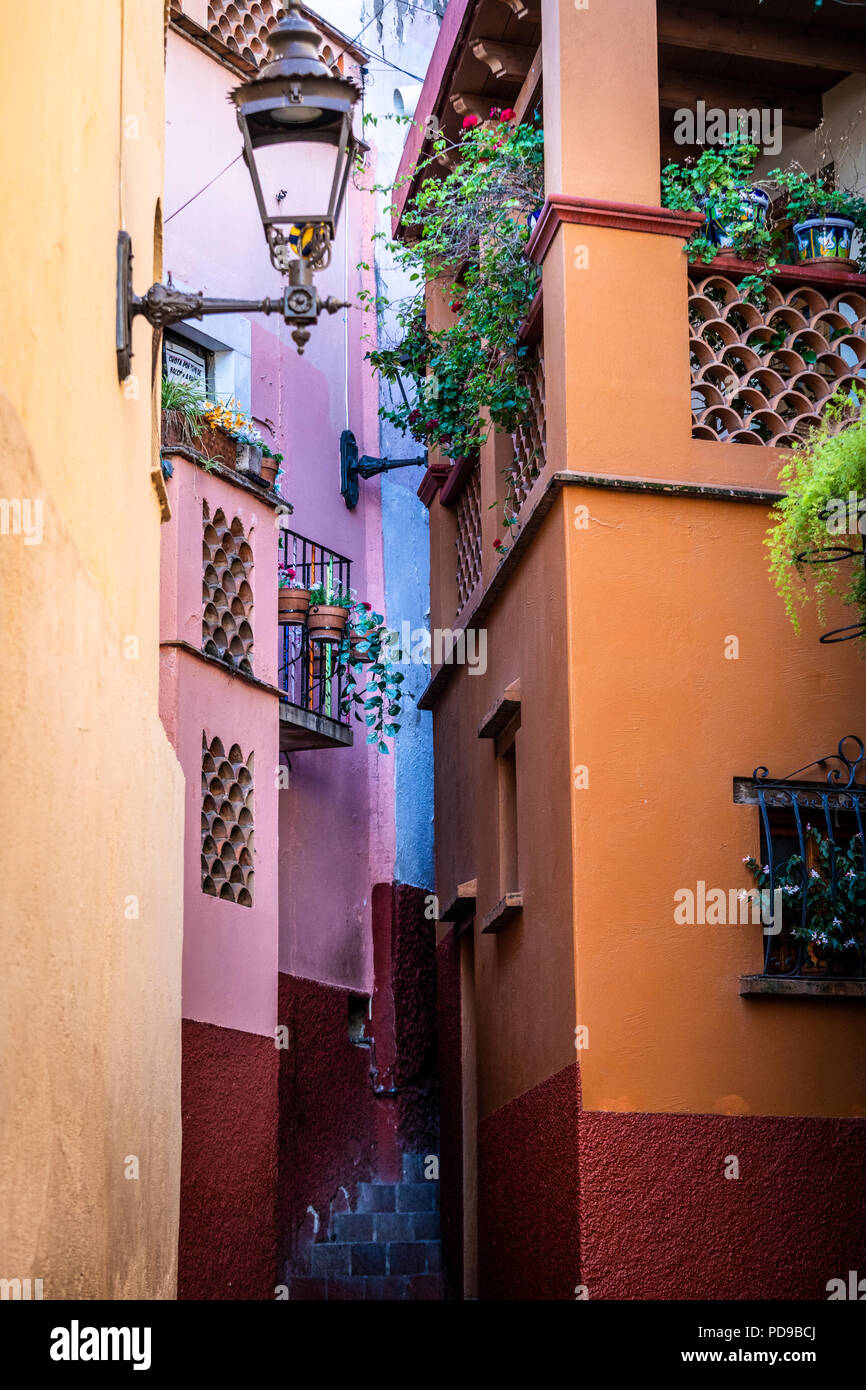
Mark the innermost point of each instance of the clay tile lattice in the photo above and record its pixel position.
(227, 595)
(244, 26)
(764, 375)
(529, 438)
(227, 836)
(469, 537)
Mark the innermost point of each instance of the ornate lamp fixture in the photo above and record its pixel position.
(296, 121)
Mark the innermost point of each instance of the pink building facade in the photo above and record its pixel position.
(308, 1051)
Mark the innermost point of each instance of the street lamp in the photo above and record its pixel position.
(296, 121)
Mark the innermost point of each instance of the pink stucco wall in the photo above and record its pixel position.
(229, 951)
(336, 817)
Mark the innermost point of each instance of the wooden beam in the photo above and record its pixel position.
(684, 89)
(528, 94)
(471, 104)
(766, 42)
(509, 60)
(525, 9)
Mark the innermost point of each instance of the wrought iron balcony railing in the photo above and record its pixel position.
(814, 849)
(309, 672)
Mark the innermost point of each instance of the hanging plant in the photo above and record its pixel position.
(819, 479)
(472, 231)
(371, 686)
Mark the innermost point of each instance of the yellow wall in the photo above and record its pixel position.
(89, 995)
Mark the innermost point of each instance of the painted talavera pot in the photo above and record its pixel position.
(821, 239)
(754, 204)
(292, 606)
(325, 623)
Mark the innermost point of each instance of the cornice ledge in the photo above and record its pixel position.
(596, 212)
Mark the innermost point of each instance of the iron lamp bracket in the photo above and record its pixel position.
(352, 467)
(162, 305)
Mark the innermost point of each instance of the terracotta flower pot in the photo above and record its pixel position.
(268, 469)
(292, 605)
(355, 641)
(326, 624)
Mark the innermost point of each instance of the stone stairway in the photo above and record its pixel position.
(386, 1249)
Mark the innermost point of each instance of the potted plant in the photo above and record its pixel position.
(328, 612)
(370, 682)
(835, 903)
(819, 480)
(293, 600)
(270, 466)
(183, 410)
(720, 184)
(824, 219)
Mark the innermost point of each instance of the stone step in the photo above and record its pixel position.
(333, 1259)
(397, 1196)
(381, 1288)
(357, 1226)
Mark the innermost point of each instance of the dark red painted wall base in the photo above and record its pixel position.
(528, 1194)
(660, 1220)
(327, 1115)
(228, 1176)
(450, 1110)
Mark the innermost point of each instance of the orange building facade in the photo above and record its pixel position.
(633, 1106)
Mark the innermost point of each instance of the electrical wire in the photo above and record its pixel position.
(205, 188)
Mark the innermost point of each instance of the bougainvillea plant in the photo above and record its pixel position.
(835, 911)
(470, 232)
(371, 686)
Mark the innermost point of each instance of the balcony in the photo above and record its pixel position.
(310, 675)
(762, 375)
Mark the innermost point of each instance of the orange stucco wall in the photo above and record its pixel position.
(90, 858)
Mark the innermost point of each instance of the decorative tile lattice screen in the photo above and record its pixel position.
(227, 836)
(227, 595)
(763, 375)
(529, 440)
(243, 26)
(468, 542)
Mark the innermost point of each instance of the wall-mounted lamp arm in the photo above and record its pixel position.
(163, 305)
(352, 467)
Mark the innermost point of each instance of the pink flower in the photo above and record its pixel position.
(470, 121)
(508, 114)
(495, 112)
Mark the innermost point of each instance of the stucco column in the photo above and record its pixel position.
(601, 127)
(615, 287)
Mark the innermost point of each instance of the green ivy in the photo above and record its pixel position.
(371, 686)
(470, 232)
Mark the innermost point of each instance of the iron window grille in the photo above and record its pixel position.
(792, 810)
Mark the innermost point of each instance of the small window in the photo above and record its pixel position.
(359, 1014)
(183, 360)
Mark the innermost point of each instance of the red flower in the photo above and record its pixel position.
(432, 424)
(414, 415)
(455, 306)
(470, 121)
(368, 607)
(508, 114)
(497, 545)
